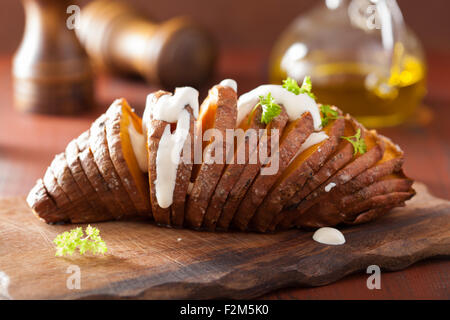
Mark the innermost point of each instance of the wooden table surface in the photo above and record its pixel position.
(29, 142)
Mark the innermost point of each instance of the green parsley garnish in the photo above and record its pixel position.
(67, 242)
(328, 114)
(292, 86)
(269, 107)
(359, 145)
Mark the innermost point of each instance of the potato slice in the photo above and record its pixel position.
(79, 209)
(375, 150)
(119, 119)
(81, 179)
(333, 211)
(43, 205)
(62, 202)
(295, 176)
(95, 178)
(294, 135)
(173, 215)
(99, 146)
(250, 171)
(218, 112)
(251, 129)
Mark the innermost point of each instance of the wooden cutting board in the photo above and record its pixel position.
(145, 261)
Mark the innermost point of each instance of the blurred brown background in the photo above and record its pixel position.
(246, 23)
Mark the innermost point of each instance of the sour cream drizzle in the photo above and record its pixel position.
(295, 105)
(170, 108)
(330, 186)
(329, 236)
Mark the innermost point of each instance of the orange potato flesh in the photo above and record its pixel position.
(128, 118)
(207, 120)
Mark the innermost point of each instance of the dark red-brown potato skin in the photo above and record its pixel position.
(155, 130)
(43, 205)
(95, 178)
(184, 172)
(249, 173)
(85, 187)
(231, 173)
(210, 173)
(114, 133)
(99, 146)
(284, 190)
(79, 209)
(293, 137)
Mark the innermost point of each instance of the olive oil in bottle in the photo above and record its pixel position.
(352, 66)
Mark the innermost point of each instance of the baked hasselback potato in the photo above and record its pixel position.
(271, 159)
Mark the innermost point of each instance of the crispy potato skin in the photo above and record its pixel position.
(290, 142)
(336, 206)
(342, 156)
(99, 147)
(184, 172)
(95, 178)
(209, 173)
(122, 156)
(43, 205)
(85, 187)
(354, 168)
(373, 214)
(79, 209)
(336, 210)
(384, 186)
(57, 194)
(273, 204)
(249, 173)
(383, 200)
(231, 174)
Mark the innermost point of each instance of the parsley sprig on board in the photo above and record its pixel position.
(67, 242)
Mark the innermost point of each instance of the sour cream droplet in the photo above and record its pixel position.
(229, 83)
(330, 236)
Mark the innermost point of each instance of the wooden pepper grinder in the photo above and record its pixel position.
(51, 71)
(174, 53)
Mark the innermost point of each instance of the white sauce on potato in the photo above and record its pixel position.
(295, 105)
(229, 83)
(168, 158)
(170, 108)
(330, 186)
(313, 139)
(330, 236)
